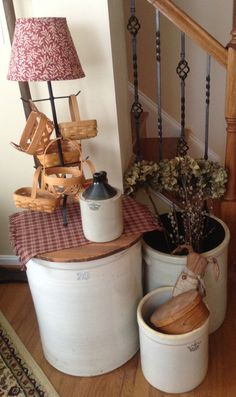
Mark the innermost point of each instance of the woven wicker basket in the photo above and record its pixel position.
(35, 199)
(63, 180)
(36, 134)
(77, 129)
(50, 158)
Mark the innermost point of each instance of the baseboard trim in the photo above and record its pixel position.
(9, 261)
(196, 149)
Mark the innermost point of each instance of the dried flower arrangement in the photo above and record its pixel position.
(193, 182)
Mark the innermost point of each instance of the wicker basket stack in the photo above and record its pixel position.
(55, 180)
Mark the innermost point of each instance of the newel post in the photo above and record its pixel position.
(228, 205)
(230, 114)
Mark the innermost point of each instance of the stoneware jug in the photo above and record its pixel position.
(101, 210)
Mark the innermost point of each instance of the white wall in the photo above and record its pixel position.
(118, 31)
(89, 24)
(16, 169)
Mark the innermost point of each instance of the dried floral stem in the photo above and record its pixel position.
(147, 191)
(176, 222)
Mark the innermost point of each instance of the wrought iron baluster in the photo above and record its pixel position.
(133, 27)
(182, 71)
(208, 91)
(158, 60)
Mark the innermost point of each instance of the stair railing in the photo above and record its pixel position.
(192, 29)
(227, 58)
(133, 27)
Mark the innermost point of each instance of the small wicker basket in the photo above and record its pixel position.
(77, 129)
(35, 199)
(36, 134)
(50, 158)
(63, 180)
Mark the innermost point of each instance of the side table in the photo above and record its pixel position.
(85, 300)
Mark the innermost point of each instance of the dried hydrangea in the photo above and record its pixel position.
(193, 180)
(177, 175)
(212, 179)
(182, 174)
(139, 175)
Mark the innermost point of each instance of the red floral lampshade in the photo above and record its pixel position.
(43, 50)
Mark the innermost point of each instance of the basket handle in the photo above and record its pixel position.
(16, 146)
(74, 108)
(35, 182)
(28, 127)
(47, 147)
(90, 165)
(33, 107)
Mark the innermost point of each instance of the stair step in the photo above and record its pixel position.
(150, 148)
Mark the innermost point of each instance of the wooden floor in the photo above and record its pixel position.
(126, 381)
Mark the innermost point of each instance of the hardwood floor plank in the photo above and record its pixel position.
(141, 388)
(129, 377)
(128, 380)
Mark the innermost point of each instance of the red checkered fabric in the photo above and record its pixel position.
(34, 233)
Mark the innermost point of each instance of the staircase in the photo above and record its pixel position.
(150, 146)
(226, 57)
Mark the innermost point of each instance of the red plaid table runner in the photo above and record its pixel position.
(34, 233)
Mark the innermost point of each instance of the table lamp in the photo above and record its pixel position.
(43, 50)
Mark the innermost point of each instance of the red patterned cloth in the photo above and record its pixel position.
(34, 233)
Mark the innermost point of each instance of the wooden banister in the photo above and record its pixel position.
(228, 205)
(192, 29)
(230, 116)
(234, 15)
